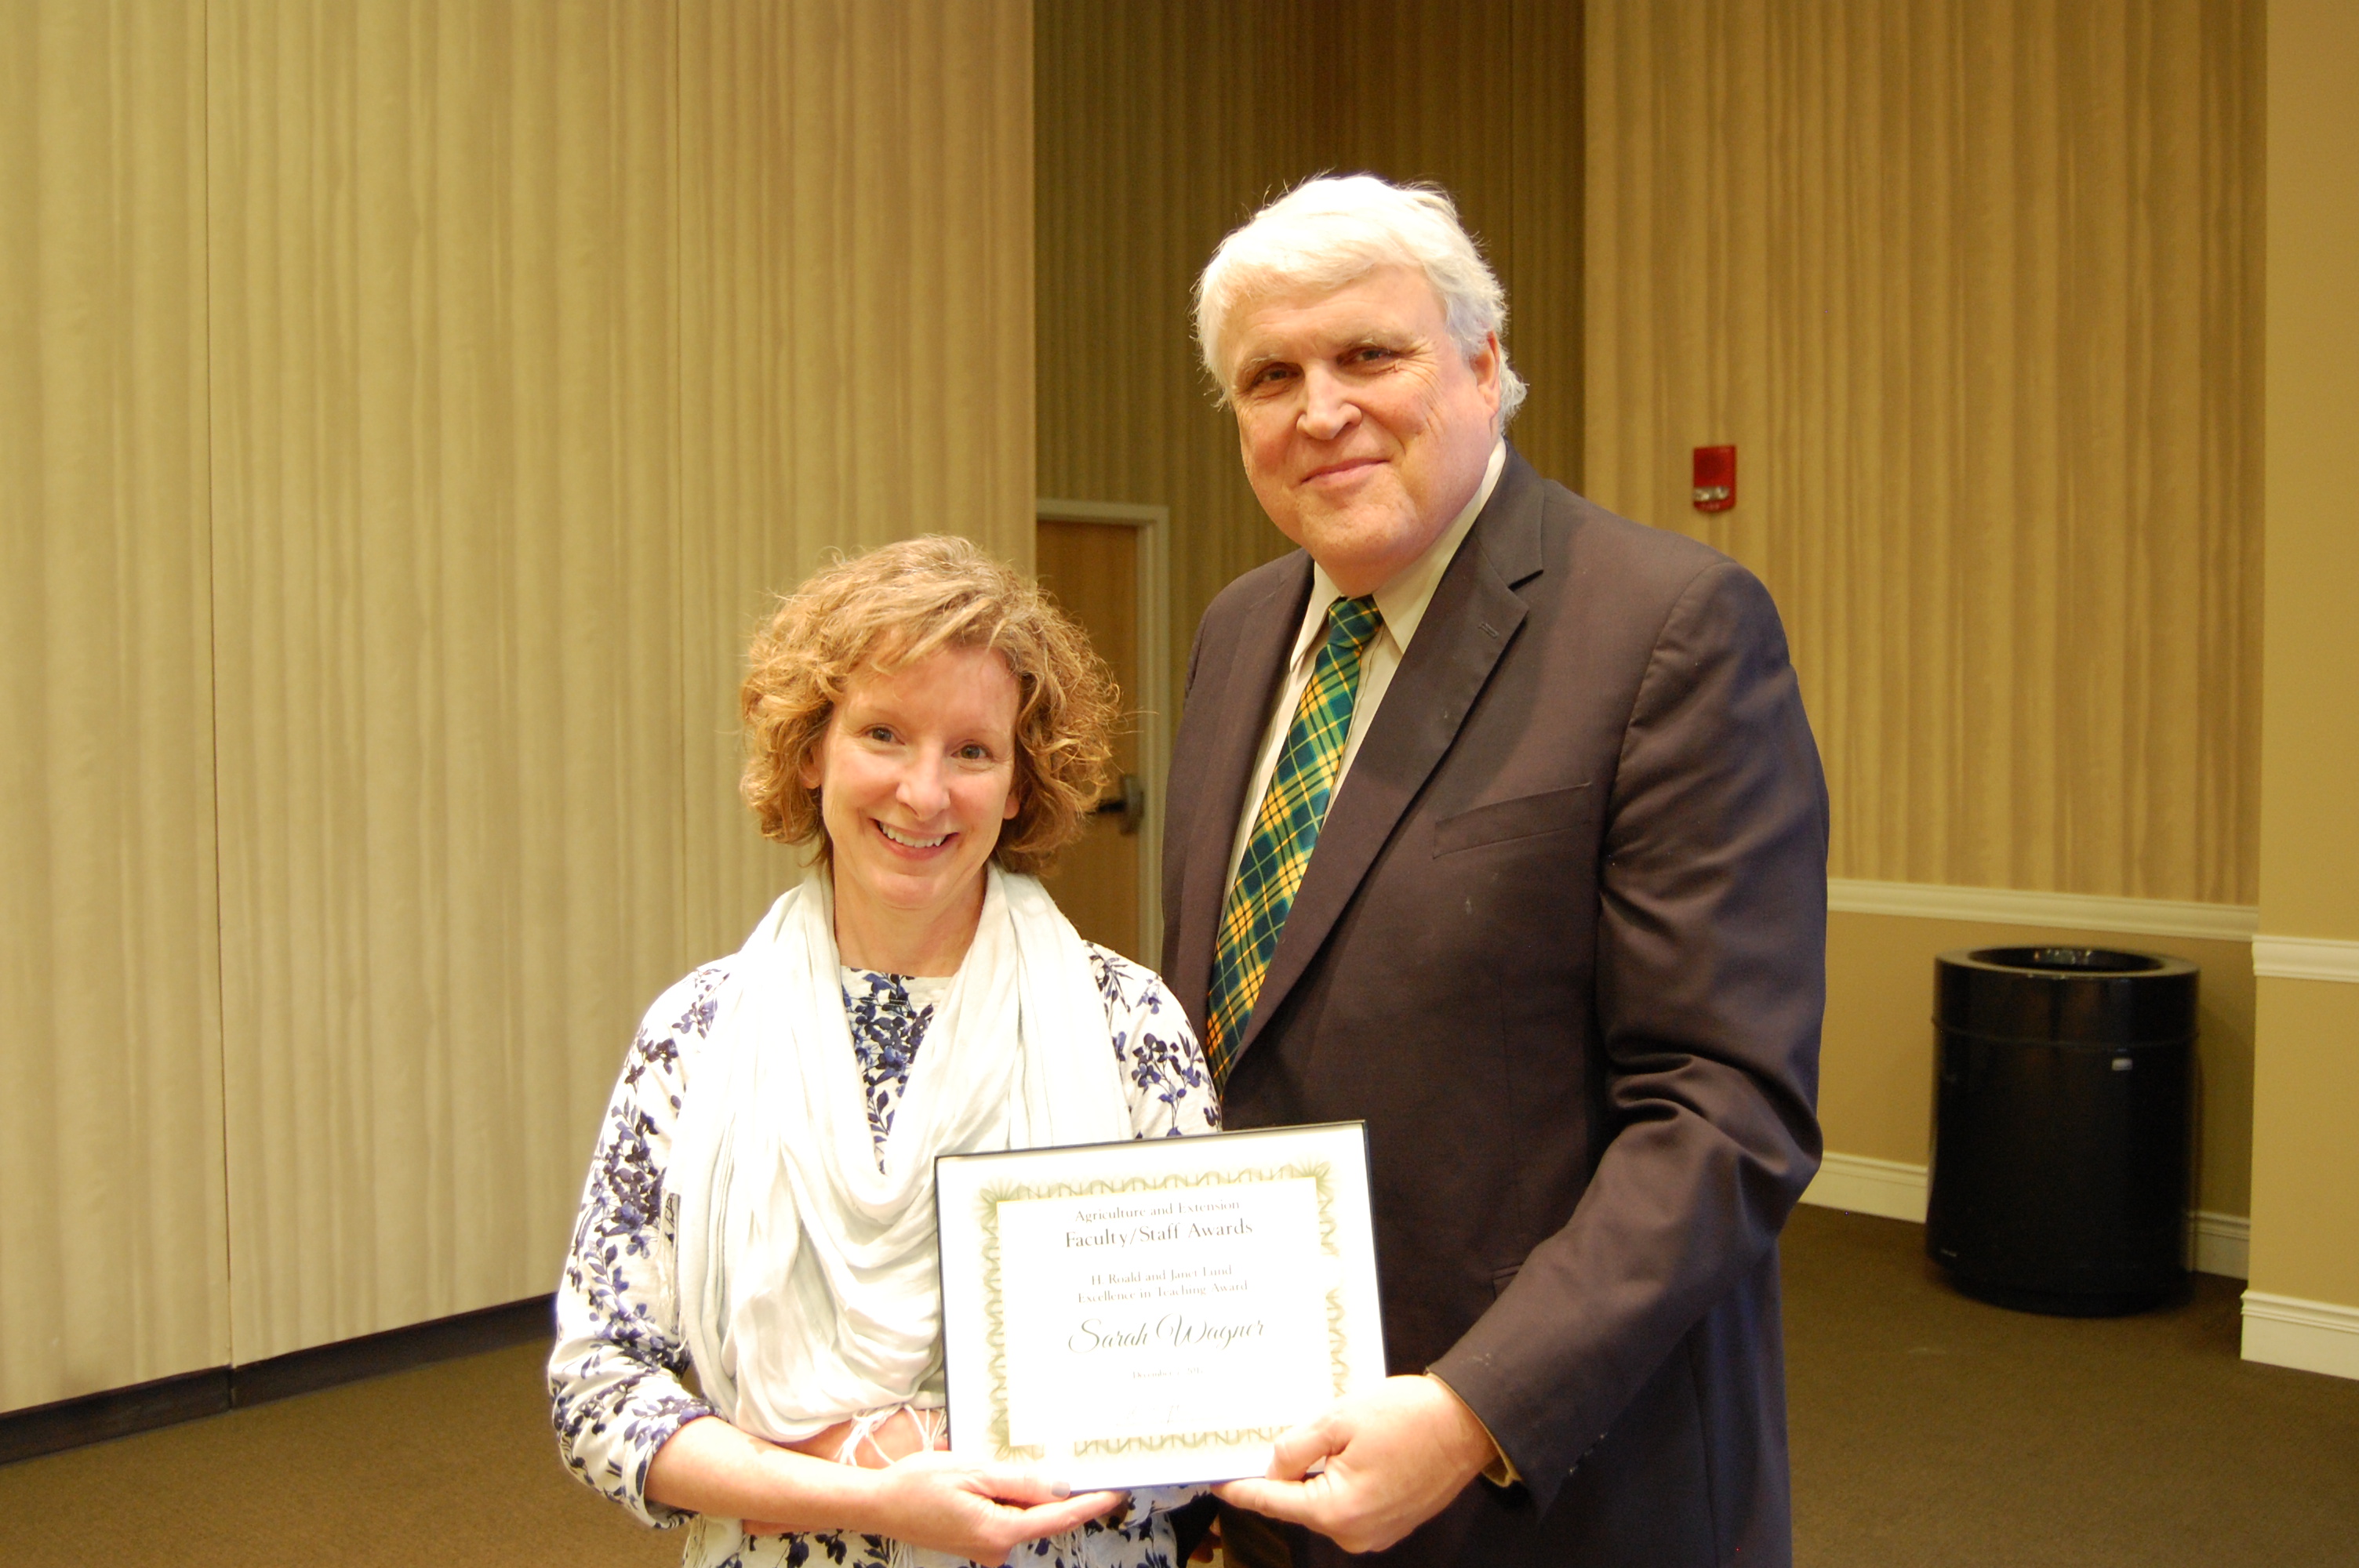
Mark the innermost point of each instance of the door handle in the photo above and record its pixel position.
(1130, 804)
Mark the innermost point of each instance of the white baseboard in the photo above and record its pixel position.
(1885, 1188)
(1893, 1189)
(2055, 911)
(2311, 1337)
(2219, 1243)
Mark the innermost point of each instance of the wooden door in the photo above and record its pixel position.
(1093, 570)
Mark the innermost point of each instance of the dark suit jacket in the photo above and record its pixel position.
(1561, 945)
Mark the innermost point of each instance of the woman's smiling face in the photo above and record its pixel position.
(915, 777)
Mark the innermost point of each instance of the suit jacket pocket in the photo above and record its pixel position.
(1525, 816)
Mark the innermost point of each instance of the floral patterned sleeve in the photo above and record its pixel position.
(1163, 1070)
(616, 1376)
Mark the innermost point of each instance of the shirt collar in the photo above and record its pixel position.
(1404, 599)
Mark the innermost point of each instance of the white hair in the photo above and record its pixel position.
(1336, 228)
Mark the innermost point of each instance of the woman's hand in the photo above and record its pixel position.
(933, 1500)
(975, 1511)
(979, 1511)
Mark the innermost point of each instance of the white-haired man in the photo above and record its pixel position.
(1496, 822)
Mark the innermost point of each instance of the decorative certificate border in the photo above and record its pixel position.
(1319, 1173)
(977, 1296)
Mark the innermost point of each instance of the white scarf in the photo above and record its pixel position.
(806, 1275)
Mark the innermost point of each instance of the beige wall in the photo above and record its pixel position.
(442, 249)
(1973, 288)
(2310, 754)
(1876, 1067)
(855, 304)
(419, 398)
(1162, 125)
(414, 549)
(2305, 1174)
(1977, 294)
(2305, 1158)
(113, 1247)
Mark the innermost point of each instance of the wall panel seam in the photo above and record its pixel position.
(683, 759)
(213, 705)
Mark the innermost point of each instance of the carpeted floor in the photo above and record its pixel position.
(1929, 1431)
(447, 1466)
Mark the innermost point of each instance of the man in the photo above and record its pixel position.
(1496, 823)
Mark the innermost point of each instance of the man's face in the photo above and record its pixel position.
(1365, 430)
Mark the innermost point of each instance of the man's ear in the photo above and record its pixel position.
(1484, 362)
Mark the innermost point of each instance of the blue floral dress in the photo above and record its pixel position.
(616, 1378)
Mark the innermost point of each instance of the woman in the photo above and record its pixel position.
(760, 1205)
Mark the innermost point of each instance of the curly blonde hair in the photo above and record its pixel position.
(890, 608)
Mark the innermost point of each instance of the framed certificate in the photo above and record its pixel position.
(1156, 1313)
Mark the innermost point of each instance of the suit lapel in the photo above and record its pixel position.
(1468, 626)
(1240, 693)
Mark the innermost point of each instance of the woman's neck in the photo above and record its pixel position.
(884, 940)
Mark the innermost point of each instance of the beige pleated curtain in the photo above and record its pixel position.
(403, 405)
(404, 410)
(1973, 287)
(113, 1219)
(1163, 123)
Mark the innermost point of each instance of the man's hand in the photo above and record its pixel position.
(1395, 1457)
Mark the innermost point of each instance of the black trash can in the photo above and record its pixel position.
(2061, 1131)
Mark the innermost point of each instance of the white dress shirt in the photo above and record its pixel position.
(1402, 601)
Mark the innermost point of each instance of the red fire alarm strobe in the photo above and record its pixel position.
(1715, 477)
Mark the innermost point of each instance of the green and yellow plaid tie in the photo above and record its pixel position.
(1285, 829)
